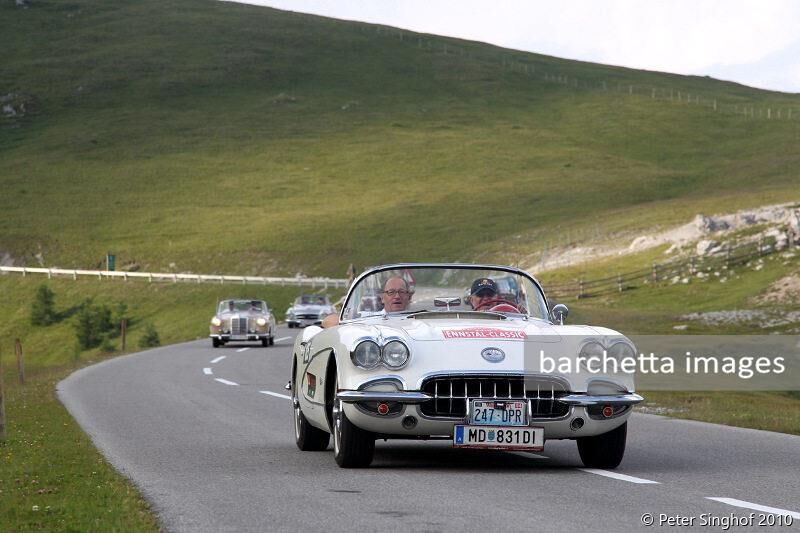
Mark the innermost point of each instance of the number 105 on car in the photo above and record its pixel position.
(499, 437)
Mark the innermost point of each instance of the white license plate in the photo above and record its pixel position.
(498, 413)
(499, 437)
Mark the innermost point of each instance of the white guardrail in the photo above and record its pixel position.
(175, 278)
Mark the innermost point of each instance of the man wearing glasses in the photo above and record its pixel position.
(396, 295)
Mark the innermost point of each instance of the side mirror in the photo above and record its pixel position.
(559, 313)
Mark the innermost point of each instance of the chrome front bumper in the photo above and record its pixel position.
(412, 397)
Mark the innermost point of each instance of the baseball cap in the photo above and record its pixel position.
(481, 284)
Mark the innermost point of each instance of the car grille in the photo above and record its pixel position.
(451, 393)
(308, 316)
(239, 325)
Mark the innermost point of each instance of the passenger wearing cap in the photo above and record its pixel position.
(483, 294)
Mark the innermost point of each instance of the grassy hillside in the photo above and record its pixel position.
(209, 136)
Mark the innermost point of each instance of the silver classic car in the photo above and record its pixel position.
(242, 320)
(309, 309)
(491, 370)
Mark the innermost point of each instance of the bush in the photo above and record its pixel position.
(150, 338)
(43, 310)
(93, 325)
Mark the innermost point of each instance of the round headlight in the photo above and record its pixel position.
(395, 354)
(261, 321)
(366, 355)
(216, 321)
(622, 350)
(592, 349)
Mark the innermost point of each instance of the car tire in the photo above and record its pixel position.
(604, 451)
(215, 342)
(272, 340)
(352, 446)
(265, 342)
(307, 437)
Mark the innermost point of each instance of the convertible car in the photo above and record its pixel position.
(308, 309)
(242, 320)
(493, 370)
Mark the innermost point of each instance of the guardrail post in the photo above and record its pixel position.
(20, 361)
(2, 404)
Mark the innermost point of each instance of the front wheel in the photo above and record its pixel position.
(352, 446)
(215, 342)
(604, 451)
(307, 437)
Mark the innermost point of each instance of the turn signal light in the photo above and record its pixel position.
(608, 411)
(383, 408)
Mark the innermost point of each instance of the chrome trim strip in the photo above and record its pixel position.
(352, 396)
(615, 399)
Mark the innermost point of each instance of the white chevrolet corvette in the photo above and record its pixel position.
(467, 353)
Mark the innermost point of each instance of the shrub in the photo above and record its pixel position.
(93, 324)
(43, 310)
(150, 338)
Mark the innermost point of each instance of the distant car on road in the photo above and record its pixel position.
(242, 320)
(309, 309)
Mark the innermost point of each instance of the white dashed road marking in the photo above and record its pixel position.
(226, 382)
(756, 507)
(282, 339)
(207, 371)
(275, 394)
(218, 359)
(242, 349)
(621, 477)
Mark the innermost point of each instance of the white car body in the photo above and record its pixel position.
(309, 310)
(457, 361)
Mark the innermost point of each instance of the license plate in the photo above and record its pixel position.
(498, 413)
(499, 437)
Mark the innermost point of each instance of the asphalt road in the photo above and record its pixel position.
(207, 435)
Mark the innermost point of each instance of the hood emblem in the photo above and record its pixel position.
(493, 355)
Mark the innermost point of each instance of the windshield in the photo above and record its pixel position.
(237, 306)
(312, 299)
(444, 288)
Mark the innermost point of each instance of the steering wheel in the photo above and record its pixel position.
(499, 305)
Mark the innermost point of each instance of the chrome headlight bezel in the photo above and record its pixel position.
(366, 354)
(261, 321)
(216, 321)
(391, 350)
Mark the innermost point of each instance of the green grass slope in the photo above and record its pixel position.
(214, 137)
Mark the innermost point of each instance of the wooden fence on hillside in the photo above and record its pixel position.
(683, 270)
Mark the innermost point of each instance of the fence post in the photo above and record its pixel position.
(2, 403)
(580, 289)
(655, 273)
(728, 256)
(692, 269)
(20, 362)
(123, 331)
(619, 281)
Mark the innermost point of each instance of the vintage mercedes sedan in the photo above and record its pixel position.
(242, 320)
(466, 353)
(308, 310)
